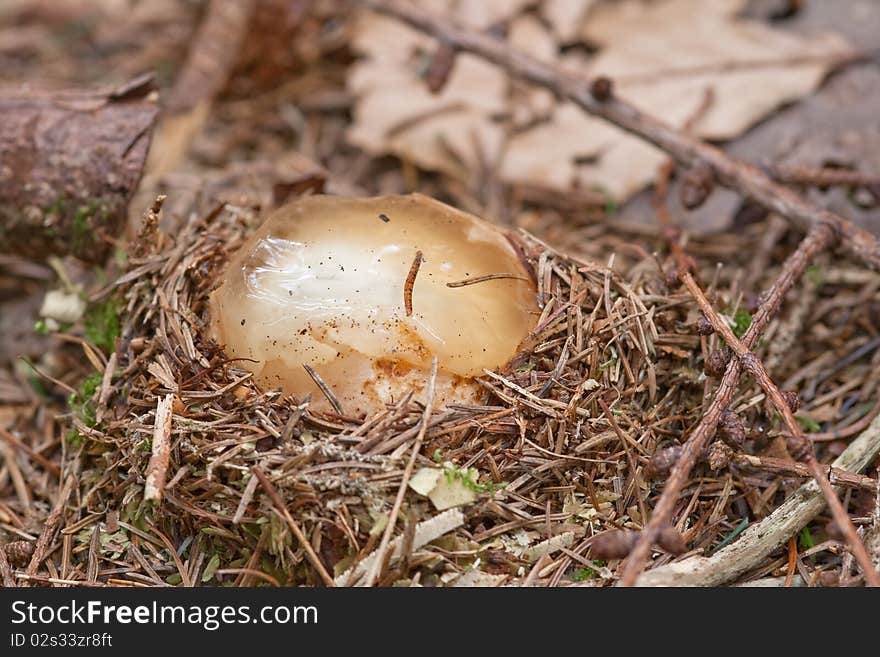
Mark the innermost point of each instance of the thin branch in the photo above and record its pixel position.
(837, 476)
(817, 240)
(686, 150)
(822, 177)
(753, 365)
(763, 538)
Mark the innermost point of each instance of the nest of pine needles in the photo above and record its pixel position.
(572, 443)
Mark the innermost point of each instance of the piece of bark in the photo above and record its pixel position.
(760, 539)
(69, 164)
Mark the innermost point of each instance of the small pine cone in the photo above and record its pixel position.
(619, 543)
(704, 326)
(671, 541)
(662, 461)
(791, 398)
(602, 89)
(731, 429)
(696, 186)
(440, 68)
(719, 455)
(615, 544)
(19, 552)
(716, 363)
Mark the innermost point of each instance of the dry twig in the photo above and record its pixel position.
(836, 476)
(762, 538)
(688, 151)
(754, 366)
(71, 162)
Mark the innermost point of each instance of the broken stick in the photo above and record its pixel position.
(597, 98)
(157, 468)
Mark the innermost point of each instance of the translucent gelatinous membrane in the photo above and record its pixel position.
(322, 282)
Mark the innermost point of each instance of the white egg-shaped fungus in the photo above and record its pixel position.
(364, 292)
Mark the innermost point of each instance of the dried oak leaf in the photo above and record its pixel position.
(662, 55)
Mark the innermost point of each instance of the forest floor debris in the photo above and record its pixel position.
(575, 442)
